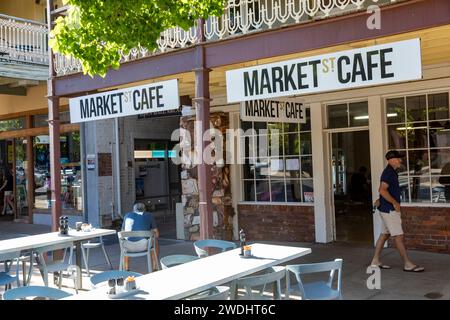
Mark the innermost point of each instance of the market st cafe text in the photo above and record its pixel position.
(350, 69)
(145, 98)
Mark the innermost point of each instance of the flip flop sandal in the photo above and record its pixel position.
(414, 269)
(381, 266)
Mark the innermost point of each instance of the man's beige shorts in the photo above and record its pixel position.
(391, 223)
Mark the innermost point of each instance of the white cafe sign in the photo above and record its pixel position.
(287, 110)
(153, 97)
(375, 65)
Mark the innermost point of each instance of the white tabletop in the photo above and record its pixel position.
(44, 239)
(190, 278)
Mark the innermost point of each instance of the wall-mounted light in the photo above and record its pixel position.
(361, 117)
(390, 115)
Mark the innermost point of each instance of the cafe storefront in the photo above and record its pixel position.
(322, 181)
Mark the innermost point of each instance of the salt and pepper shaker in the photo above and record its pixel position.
(63, 225)
(242, 241)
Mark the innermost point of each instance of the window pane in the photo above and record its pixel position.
(397, 136)
(359, 114)
(249, 190)
(395, 110)
(277, 169)
(420, 189)
(275, 128)
(259, 126)
(12, 124)
(440, 162)
(439, 134)
(305, 143)
(293, 190)
(404, 188)
(438, 106)
(291, 127)
(249, 169)
(276, 145)
(249, 146)
(262, 145)
(293, 167)
(261, 168)
(417, 135)
(308, 190)
(416, 108)
(278, 194)
(306, 126)
(245, 125)
(262, 190)
(440, 189)
(291, 144)
(306, 167)
(418, 162)
(337, 116)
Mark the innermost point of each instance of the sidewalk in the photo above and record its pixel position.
(395, 283)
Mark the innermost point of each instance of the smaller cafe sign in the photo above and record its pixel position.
(273, 111)
(149, 98)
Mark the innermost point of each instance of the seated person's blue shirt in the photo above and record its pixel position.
(138, 222)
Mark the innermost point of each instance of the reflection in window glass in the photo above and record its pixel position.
(418, 162)
(438, 107)
(420, 189)
(12, 124)
(404, 188)
(288, 158)
(397, 136)
(439, 134)
(395, 110)
(440, 162)
(417, 136)
(440, 189)
(359, 114)
(416, 108)
(72, 198)
(338, 116)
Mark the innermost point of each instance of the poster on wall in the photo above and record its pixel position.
(368, 66)
(90, 161)
(309, 196)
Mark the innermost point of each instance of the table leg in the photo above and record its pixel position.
(79, 262)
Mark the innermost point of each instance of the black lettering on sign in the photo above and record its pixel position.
(92, 108)
(384, 63)
(84, 108)
(371, 64)
(144, 100)
(314, 64)
(136, 96)
(301, 75)
(358, 68)
(251, 88)
(343, 79)
(288, 80)
(265, 82)
(159, 97)
(277, 78)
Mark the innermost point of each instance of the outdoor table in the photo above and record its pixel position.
(193, 277)
(45, 239)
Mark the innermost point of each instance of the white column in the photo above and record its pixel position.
(377, 148)
(323, 214)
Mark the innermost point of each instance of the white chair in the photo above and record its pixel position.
(54, 266)
(214, 293)
(151, 248)
(201, 245)
(35, 291)
(271, 275)
(6, 279)
(176, 259)
(317, 290)
(87, 246)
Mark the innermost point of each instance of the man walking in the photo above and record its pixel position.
(389, 208)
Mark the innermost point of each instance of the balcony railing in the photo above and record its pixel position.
(23, 41)
(241, 17)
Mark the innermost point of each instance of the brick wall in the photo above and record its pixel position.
(427, 228)
(277, 222)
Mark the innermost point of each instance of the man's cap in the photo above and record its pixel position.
(391, 154)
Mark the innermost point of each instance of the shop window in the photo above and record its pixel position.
(12, 124)
(419, 126)
(277, 173)
(345, 115)
(71, 184)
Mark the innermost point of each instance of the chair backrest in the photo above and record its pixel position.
(214, 293)
(111, 274)
(35, 291)
(12, 257)
(332, 266)
(201, 245)
(124, 235)
(176, 259)
(271, 275)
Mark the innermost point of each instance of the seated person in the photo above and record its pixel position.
(140, 220)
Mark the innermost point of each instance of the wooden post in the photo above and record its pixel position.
(30, 171)
(54, 132)
(202, 103)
